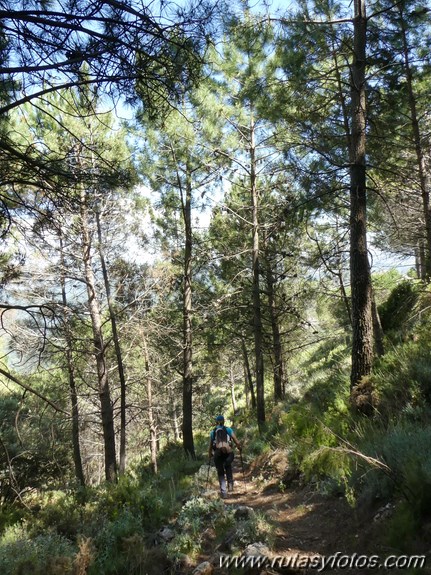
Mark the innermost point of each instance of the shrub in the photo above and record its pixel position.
(402, 379)
(395, 309)
(47, 554)
(114, 551)
(199, 514)
(196, 514)
(315, 423)
(406, 449)
(255, 529)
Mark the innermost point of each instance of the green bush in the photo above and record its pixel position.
(47, 554)
(36, 446)
(112, 543)
(255, 529)
(57, 512)
(401, 529)
(395, 310)
(317, 422)
(10, 516)
(406, 449)
(402, 379)
(197, 514)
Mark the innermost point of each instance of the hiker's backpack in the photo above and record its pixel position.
(222, 440)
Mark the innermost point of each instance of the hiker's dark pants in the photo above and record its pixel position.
(223, 463)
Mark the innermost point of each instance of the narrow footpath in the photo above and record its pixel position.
(310, 524)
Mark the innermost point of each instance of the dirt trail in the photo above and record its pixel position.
(307, 523)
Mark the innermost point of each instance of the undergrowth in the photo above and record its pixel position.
(97, 531)
(386, 457)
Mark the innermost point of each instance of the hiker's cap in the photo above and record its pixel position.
(219, 418)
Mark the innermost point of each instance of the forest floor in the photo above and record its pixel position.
(308, 524)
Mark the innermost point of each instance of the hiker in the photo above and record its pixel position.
(220, 447)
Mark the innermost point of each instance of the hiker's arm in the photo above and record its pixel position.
(235, 439)
(210, 450)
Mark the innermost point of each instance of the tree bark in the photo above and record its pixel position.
(378, 330)
(176, 427)
(257, 311)
(187, 428)
(278, 370)
(249, 379)
(106, 408)
(420, 155)
(117, 347)
(77, 459)
(232, 390)
(152, 424)
(362, 323)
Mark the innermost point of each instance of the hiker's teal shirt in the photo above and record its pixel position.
(228, 429)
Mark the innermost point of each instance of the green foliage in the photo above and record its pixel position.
(254, 529)
(45, 554)
(105, 528)
(196, 515)
(401, 528)
(402, 378)
(200, 514)
(57, 512)
(257, 446)
(109, 541)
(10, 515)
(394, 311)
(32, 438)
(405, 448)
(317, 421)
(384, 283)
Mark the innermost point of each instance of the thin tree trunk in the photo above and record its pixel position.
(378, 330)
(246, 387)
(106, 410)
(420, 155)
(232, 391)
(177, 435)
(151, 420)
(77, 459)
(117, 347)
(422, 253)
(362, 344)
(249, 379)
(188, 442)
(420, 260)
(278, 369)
(257, 311)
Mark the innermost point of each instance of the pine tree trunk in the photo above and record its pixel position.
(249, 379)
(232, 391)
(278, 370)
(106, 409)
(176, 427)
(420, 155)
(362, 322)
(152, 425)
(257, 311)
(420, 260)
(77, 459)
(187, 428)
(378, 330)
(354, 145)
(246, 388)
(117, 347)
